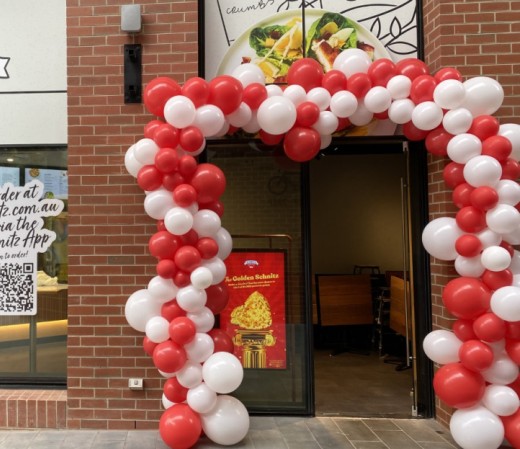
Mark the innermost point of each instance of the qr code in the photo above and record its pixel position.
(17, 295)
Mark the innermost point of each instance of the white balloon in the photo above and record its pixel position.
(252, 127)
(178, 220)
(320, 97)
(273, 90)
(224, 130)
(476, 428)
(166, 403)
(503, 371)
(223, 372)
(503, 218)
(501, 400)
(469, 266)
(240, 116)
(156, 329)
(190, 375)
(209, 119)
(484, 95)
(508, 192)
(482, 171)
(427, 116)
(442, 346)
(489, 238)
(200, 348)
(325, 141)
(343, 104)
(295, 93)
(132, 165)
(204, 320)
(225, 243)
(206, 223)
(399, 87)
(276, 115)
(439, 237)
(162, 290)
(511, 131)
(495, 258)
(145, 151)
(201, 399)
(378, 99)
(515, 262)
(513, 237)
(191, 299)
(505, 303)
(464, 147)
(140, 308)
(400, 111)
(457, 121)
(352, 60)
(201, 278)
(449, 94)
(327, 123)
(248, 73)
(179, 111)
(516, 280)
(362, 116)
(217, 268)
(157, 203)
(227, 423)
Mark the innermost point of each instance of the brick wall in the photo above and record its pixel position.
(479, 38)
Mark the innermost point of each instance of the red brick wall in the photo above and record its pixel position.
(479, 38)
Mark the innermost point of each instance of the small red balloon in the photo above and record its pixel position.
(163, 245)
(197, 90)
(187, 258)
(458, 386)
(172, 180)
(182, 330)
(422, 89)
(166, 135)
(334, 81)
(463, 330)
(510, 169)
(222, 341)
(512, 428)
(513, 350)
(216, 206)
(302, 144)
(151, 127)
(359, 84)
(187, 166)
(148, 346)
(270, 139)
(468, 245)
(381, 71)
(225, 92)
(466, 297)
(484, 126)
(513, 330)
(412, 68)
(171, 310)
(484, 198)
(497, 279)
(307, 114)
(157, 92)
(169, 357)
(437, 141)
(207, 247)
(306, 72)
(166, 160)
(489, 327)
(218, 297)
(476, 355)
(254, 95)
(498, 147)
(191, 139)
(184, 195)
(453, 174)
(448, 73)
(174, 391)
(149, 178)
(180, 427)
(166, 268)
(471, 219)
(461, 195)
(181, 279)
(209, 182)
(411, 132)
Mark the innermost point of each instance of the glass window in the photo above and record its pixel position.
(33, 347)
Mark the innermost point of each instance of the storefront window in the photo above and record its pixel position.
(33, 346)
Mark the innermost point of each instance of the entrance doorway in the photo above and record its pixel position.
(363, 314)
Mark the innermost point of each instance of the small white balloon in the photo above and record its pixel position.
(400, 111)
(399, 87)
(223, 372)
(484, 95)
(327, 123)
(274, 90)
(204, 320)
(166, 403)
(201, 398)
(449, 94)
(325, 140)
(442, 346)
(206, 223)
(469, 266)
(503, 371)
(508, 192)
(320, 97)
(145, 151)
(225, 243)
(427, 116)
(505, 303)
(503, 218)
(352, 60)
(362, 116)
(476, 428)
(439, 237)
(178, 220)
(217, 268)
(157, 203)
(209, 119)
(457, 121)
(200, 348)
(162, 290)
(191, 299)
(201, 278)
(276, 115)
(190, 375)
(132, 165)
(489, 238)
(295, 93)
(156, 329)
(248, 73)
(252, 127)
(378, 99)
(501, 400)
(495, 258)
(482, 171)
(464, 147)
(511, 131)
(179, 111)
(240, 116)
(140, 308)
(343, 104)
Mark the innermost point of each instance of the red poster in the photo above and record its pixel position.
(255, 315)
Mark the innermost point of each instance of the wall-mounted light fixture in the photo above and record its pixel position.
(131, 18)
(131, 23)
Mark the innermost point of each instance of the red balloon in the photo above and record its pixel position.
(466, 297)
(498, 147)
(151, 127)
(510, 169)
(166, 160)
(411, 132)
(512, 428)
(180, 427)
(507, 246)
(181, 279)
(453, 174)
(489, 327)
(270, 139)
(301, 144)
(513, 330)
(197, 90)
(187, 166)
(381, 115)
(448, 73)
(218, 297)
(412, 68)
(172, 180)
(381, 71)
(343, 123)
(306, 72)
(222, 341)
(171, 310)
(513, 350)
(484, 126)
(471, 219)
(157, 92)
(148, 346)
(166, 135)
(334, 81)
(225, 92)
(163, 245)
(184, 195)
(169, 357)
(359, 84)
(484, 198)
(463, 330)
(209, 182)
(187, 258)
(254, 95)
(166, 268)
(215, 206)
(461, 195)
(307, 114)
(174, 391)
(190, 238)
(458, 386)
(207, 247)
(182, 330)
(149, 178)
(422, 89)
(437, 141)
(476, 355)
(468, 245)
(497, 279)
(191, 139)
(160, 225)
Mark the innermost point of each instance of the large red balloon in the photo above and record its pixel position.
(471, 219)
(180, 427)
(461, 195)
(483, 197)
(437, 141)
(334, 81)
(163, 245)
(412, 68)
(489, 327)
(149, 178)
(182, 330)
(209, 182)
(381, 71)
(306, 72)
(475, 355)
(512, 428)
(174, 391)
(302, 144)
(466, 297)
(218, 297)
(169, 357)
(225, 92)
(484, 126)
(254, 94)
(222, 341)
(157, 92)
(197, 90)
(458, 386)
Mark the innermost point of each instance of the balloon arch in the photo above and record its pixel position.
(479, 357)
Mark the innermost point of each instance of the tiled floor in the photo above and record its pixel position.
(264, 433)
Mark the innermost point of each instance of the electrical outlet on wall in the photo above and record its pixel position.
(135, 384)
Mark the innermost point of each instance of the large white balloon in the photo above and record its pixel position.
(140, 308)
(145, 151)
(241, 116)
(343, 104)
(501, 400)
(276, 115)
(200, 348)
(427, 116)
(400, 111)
(190, 375)
(156, 329)
(399, 87)
(476, 428)
(503, 371)
(457, 121)
(449, 94)
(162, 290)
(439, 237)
(469, 266)
(202, 399)
(484, 95)
(508, 192)
(463, 147)
(378, 99)
(204, 320)
(178, 220)
(179, 111)
(228, 421)
(225, 243)
(132, 165)
(442, 346)
(482, 171)
(206, 223)
(295, 93)
(223, 372)
(158, 202)
(503, 218)
(209, 119)
(511, 131)
(191, 299)
(248, 73)
(505, 303)
(319, 96)
(352, 60)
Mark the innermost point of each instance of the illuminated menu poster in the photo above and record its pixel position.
(255, 315)
(11, 175)
(55, 181)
